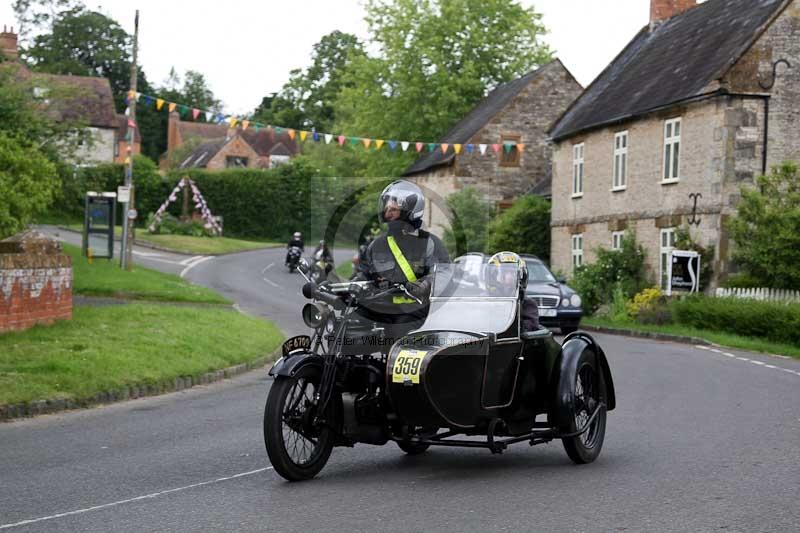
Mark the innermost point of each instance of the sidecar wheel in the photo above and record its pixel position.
(413, 448)
(297, 449)
(589, 388)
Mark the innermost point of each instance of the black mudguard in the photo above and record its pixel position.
(289, 365)
(566, 365)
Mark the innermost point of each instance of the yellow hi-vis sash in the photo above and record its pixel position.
(404, 266)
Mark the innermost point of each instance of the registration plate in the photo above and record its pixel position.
(407, 366)
(548, 312)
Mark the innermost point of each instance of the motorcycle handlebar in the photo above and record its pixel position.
(312, 292)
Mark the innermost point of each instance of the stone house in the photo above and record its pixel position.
(520, 111)
(702, 100)
(88, 100)
(218, 146)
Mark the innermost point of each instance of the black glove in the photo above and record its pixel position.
(419, 289)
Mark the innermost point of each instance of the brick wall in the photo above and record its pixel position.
(237, 147)
(35, 282)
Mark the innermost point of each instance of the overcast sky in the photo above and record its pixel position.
(247, 48)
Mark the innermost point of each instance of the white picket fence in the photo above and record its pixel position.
(772, 295)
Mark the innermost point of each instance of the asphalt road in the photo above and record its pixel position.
(701, 440)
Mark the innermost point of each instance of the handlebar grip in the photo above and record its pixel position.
(312, 292)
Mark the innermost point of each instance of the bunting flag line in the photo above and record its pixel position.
(245, 123)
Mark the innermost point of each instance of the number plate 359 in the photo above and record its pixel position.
(407, 366)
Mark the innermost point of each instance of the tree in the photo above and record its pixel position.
(437, 59)
(36, 16)
(766, 229)
(472, 215)
(522, 228)
(306, 101)
(27, 183)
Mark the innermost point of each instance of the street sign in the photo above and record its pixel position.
(683, 271)
(132, 214)
(123, 194)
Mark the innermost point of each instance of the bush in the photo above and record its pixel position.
(27, 184)
(595, 282)
(472, 216)
(767, 229)
(751, 318)
(523, 228)
(741, 281)
(643, 300)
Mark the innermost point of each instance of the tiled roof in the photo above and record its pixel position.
(476, 119)
(675, 61)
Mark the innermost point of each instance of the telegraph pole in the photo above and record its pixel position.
(129, 211)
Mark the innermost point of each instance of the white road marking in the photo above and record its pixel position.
(267, 267)
(131, 500)
(191, 260)
(271, 282)
(753, 361)
(192, 265)
(146, 254)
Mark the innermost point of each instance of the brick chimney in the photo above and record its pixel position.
(173, 135)
(664, 9)
(8, 44)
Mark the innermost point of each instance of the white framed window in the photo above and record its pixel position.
(577, 250)
(667, 245)
(620, 161)
(616, 240)
(577, 169)
(672, 150)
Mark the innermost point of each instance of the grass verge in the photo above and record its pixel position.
(105, 278)
(105, 348)
(188, 244)
(345, 270)
(723, 339)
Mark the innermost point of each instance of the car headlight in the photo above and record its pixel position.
(565, 302)
(575, 300)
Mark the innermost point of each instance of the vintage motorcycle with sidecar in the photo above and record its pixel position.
(468, 376)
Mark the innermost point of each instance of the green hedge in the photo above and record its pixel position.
(751, 318)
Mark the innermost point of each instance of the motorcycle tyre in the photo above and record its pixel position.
(273, 436)
(576, 448)
(413, 448)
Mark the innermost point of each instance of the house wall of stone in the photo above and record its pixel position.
(720, 150)
(101, 149)
(529, 115)
(781, 40)
(35, 282)
(236, 147)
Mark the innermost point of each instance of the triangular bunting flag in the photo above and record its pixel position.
(457, 148)
(507, 147)
(393, 145)
(131, 124)
(159, 104)
(482, 148)
(496, 148)
(182, 109)
(445, 146)
(245, 123)
(171, 107)
(127, 111)
(521, 147)
(341, 140)
(353, 140)
(195, 112)
(315, 136)
(404, 145)
(328, 138)
(138, 96)
(148, 100)
(291, 133)
(470, 148)
(303, 135)
(419, 147)
(366, 142)
(431, 147)
(378, 143)
(209, 116)
(131, 95)
(278, 130)
(232, 121)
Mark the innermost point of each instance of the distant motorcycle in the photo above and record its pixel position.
(320, 268)
(293, 258)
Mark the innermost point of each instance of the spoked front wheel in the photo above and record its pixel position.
(297, 444)
(589, 392)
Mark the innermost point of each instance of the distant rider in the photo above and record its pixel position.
(324, 253)
(295, 241)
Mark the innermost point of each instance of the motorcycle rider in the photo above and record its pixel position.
(406, 253)
(530, 311)
(295, 241)
(322, 252)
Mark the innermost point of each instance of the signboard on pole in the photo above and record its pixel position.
(683, 272)
(123, 194)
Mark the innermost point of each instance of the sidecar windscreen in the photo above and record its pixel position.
(469, 297)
